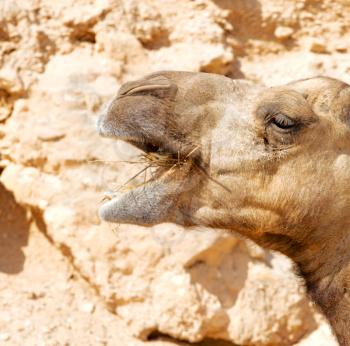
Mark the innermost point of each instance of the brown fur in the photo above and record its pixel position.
(286, 188)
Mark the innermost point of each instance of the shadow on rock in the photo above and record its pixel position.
(246, 16)
(14, 232)
(222, 271)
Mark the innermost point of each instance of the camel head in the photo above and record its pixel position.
(270, 163)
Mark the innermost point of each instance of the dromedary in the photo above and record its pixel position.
(270, 163)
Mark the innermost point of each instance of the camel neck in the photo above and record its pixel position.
(325, 266)
(332, 295)
(323, 260)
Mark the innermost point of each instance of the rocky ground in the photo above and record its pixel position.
(67, 279)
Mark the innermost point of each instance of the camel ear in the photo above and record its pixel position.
(158, 86)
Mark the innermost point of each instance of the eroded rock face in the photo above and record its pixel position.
(60, 64)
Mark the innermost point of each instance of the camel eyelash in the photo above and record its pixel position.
(283, 122)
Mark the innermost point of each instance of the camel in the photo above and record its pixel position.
(272, 163)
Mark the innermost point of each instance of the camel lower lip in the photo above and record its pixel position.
(150, 203)
(142, 205)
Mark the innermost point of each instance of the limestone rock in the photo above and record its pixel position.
(147, 24)
(322, 336)
(10, 82)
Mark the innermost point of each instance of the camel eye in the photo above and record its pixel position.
(283, 122)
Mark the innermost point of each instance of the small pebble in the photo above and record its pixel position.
(4, 336)
(35, 295)
(43, 204)
(27, 324)
(88, 308)
(283, 33)
(318, 46)
(50, 135)
(341, 48)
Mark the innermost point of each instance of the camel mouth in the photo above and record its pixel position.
(146, 147)
(150, 202)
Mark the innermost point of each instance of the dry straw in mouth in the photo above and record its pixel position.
(152, 160)
(155, 160)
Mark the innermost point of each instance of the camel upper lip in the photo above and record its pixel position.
(172, 147)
